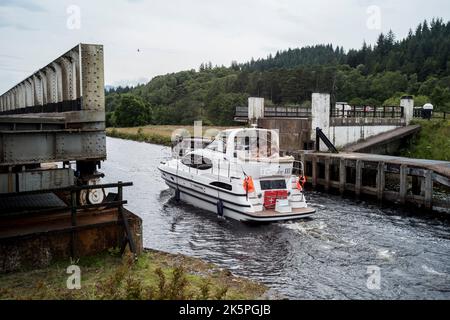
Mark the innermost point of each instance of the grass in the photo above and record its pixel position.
(157, 134)
(154, 275)
(432, 142)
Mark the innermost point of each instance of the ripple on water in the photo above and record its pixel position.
(325, 257)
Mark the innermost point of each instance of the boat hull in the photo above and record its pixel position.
(233, 210)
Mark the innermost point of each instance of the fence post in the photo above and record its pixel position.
(314, 171)
(342, 175)
(358, 179)
(403, 183)
(428, 189)
(128, 237)
(73, 216)
(327, 173)
(380, 180)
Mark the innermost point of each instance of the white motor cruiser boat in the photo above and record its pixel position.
(240, 175)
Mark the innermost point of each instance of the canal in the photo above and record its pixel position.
(328, 257)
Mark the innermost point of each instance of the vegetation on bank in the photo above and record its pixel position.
(432, 142)
(137, 134)
(154, 275)
(157, 134)
(417, 65)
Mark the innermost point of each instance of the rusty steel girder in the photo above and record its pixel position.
(58, 113)
(72, 82)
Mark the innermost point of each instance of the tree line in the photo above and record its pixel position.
(417, 65)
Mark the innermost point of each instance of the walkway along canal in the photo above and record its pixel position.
(328, 256)
(421, 183)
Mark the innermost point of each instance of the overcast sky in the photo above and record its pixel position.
(174, 35)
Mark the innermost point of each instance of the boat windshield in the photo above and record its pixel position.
(220, 143)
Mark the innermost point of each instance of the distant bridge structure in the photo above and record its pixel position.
(55, 115)
(52, 142)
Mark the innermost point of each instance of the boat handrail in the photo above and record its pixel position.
(227, 170)
(299, 169)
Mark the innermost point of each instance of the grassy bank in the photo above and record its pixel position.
(157, 134)
(432, 142)
(154, 275)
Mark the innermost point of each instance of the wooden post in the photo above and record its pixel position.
(73, 212)
(11, 180)
(380, 180)
(429, 189)
(358, 180)
(128, 235)
(314, 171)
(342, 175)
(327, 173)
(403, 183)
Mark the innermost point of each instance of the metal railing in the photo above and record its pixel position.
(421, 113)
(241, 112)
(278, 112)
(74, 207)
(346, 111)
(231, 169)
(287, 112)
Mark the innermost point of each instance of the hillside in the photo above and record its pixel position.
(418, 65)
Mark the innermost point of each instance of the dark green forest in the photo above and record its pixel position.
(377, 74)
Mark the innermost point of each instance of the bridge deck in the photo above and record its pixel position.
(383, 138)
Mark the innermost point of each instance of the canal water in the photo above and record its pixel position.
(349, 250)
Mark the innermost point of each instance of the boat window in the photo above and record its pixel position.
(262, 144)
(222, 185)
(197, 161)
(220, 143)
(272, 184)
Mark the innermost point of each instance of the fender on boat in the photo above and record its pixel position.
(220, 208)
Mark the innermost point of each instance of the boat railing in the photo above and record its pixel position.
(227, 169)
(298, 168)
(230, 169)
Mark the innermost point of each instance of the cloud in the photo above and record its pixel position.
(23, 4)
(179, 35)
(7, 22)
